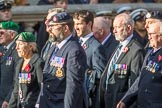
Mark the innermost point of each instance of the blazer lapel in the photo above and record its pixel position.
(9, 51)
(60, 52)
(124, 53)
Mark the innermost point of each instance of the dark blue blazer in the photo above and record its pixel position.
(67, 89)
(110, 45)
(8, 63)
(147, 88)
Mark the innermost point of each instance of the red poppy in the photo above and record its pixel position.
(125, 50)
(159, 58)
(1, 54)
(84, 46)
(27, 68)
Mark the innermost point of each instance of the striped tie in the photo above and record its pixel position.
(112, 64)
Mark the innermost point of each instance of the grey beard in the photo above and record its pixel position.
(55, 39)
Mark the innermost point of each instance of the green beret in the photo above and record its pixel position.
(9, 25)
(26, 37)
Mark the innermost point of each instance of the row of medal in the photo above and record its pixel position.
(25, 78)
(121, 70)
(57, 61)
(9, 60)
(152, 66)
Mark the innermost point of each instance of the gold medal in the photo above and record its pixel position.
(59, 73)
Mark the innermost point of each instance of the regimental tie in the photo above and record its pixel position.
(54, 53)
(112, 64)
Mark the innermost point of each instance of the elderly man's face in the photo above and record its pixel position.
(57, 31)
(150, 22)
(120, 30)
(5, 37)
(154, 36)
(5, 15)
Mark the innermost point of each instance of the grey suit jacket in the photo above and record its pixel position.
(96, 62)
(120, 80)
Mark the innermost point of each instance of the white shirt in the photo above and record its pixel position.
(63, 42)
(124, 43)
(84, 39)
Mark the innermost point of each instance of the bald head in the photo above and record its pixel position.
(101, 22)
(101, 28)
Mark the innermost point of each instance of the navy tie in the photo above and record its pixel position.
(54, 52)
(112, 64)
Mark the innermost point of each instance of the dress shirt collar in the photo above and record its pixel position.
(84, 39)
(126, 41)
(9, 45)
(62, 43)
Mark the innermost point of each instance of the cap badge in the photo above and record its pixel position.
(54, 18)
(148, 15)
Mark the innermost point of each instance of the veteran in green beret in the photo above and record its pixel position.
(29, 73)
(8, 60)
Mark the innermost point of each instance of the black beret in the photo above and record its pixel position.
(154, 15)
(61, 18)
(5, 4)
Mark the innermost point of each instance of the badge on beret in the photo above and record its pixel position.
(54, 18)
(59, 73)
(148, 15)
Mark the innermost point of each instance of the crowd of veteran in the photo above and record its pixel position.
(82, 60)
(28, 76)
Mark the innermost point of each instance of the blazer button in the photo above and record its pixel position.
(146, 90)
(49, 98)
(48, 86)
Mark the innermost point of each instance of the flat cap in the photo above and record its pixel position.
(26, 37)
(154, 15)
(123, 8)
(9, 25)
(61, 18)
(138, 14)
(5, 4)
(104, 13)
